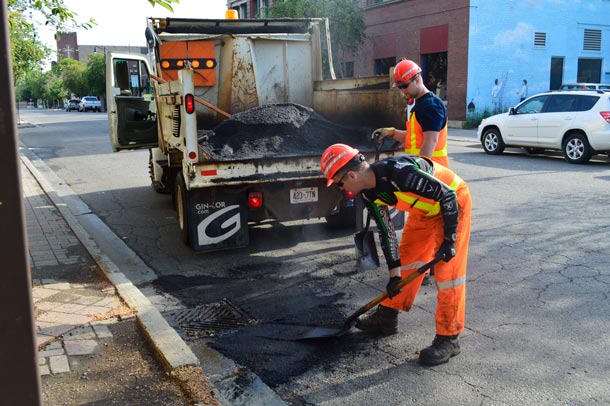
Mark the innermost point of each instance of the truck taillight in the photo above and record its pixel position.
(192, 155)
(605, 115)
(255, 200)
(189, 103)
(350, 195)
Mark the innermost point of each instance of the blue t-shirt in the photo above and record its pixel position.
(431, 112)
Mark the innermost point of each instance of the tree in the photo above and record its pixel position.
(72, 73)
(55, 91)
(346, 20)
(95, 75)
(28, 53)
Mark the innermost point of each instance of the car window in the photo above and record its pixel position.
(559, 103)
(585, 103)
(532, 106)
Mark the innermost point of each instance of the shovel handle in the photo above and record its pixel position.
(384, 295)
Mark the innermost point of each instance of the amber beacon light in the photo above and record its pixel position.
(231, 15)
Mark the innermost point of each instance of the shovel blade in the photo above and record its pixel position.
(366, 250)
(318, 333)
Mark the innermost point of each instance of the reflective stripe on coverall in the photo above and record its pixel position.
(415, 138)
(421, 238)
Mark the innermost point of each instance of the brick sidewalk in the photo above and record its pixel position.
(73, 303)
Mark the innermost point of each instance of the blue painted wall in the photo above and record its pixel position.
(501, 45)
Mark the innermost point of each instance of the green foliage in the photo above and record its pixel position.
(73, 73)
(55, 90)
(28, 53)
(164, 3)
(474, 119)
(346, 20)
(95, 74)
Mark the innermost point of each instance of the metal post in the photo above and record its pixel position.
(18, 358)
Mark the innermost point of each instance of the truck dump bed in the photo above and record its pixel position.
(285, 130)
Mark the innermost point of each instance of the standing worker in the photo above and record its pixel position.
(439, 205)
(426, 128)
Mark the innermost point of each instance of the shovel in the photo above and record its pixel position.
(318, 333)
(366, 250)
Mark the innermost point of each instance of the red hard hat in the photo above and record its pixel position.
(405, 70)
(334, 158)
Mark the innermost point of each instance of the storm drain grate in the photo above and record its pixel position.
(209, 319)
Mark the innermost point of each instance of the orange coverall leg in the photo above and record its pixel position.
(421, 238)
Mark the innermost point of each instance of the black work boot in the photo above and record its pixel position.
(442, 348)
(384, 321)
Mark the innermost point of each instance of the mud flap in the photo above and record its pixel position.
(218, 220)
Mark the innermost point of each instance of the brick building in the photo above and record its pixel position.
(67, 45)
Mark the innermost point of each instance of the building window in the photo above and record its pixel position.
(383, 65)
(347, 69)
(540, 39)
(261, 8)
(589, 70)
(592, 40)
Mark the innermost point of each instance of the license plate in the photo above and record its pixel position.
(304, 195)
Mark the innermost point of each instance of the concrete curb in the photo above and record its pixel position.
(171, 350)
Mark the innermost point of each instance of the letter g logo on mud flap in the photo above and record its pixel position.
(217, 228)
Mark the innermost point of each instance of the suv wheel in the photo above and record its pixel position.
(492, 141)
(576, 149)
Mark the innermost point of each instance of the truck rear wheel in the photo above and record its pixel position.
(182, 208)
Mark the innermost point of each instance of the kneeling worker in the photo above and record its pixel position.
(439, 205)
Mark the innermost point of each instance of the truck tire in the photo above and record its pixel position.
(182, 205)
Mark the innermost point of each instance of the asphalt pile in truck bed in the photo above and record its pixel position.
(278, 130)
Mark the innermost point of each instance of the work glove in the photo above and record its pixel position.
(391, 286)
(446, 251)
(379, 134)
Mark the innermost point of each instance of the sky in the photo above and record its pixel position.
(122, 22)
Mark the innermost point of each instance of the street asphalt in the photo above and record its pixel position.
(73, 310)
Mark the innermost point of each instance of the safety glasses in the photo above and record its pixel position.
(403, 86)
(340, 183)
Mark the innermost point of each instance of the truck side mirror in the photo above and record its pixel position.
(511, 111)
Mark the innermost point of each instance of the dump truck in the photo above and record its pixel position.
(235, 115)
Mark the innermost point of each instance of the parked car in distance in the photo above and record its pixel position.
(90, 103)
(584, 86)
(71, 104)
(576, 122)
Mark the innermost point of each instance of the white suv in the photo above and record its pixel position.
(575, 122)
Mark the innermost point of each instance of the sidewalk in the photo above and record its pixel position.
(91, 349)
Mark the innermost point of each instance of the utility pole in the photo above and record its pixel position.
(19, 357)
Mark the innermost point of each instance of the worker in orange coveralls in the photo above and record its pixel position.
(439, 206)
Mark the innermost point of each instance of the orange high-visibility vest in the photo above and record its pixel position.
(415, 138)
(408, 201)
